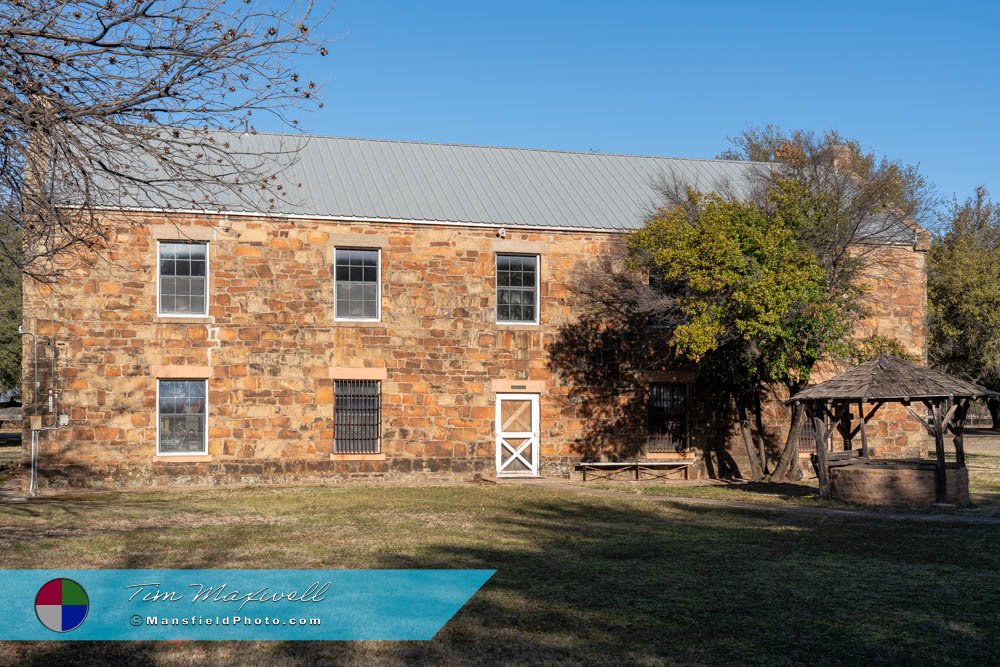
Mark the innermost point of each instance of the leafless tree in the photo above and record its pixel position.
(149, 98)
(859, 201)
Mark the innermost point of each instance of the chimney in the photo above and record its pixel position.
(788, 152)
(840, 157)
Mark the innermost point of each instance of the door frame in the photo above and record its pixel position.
(534, 436)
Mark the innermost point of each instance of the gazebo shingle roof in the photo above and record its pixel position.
(890, 378)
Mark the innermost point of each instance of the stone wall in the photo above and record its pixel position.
(270, 341)
(270, 350)
(897, 484)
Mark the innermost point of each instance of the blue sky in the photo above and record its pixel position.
(915, 81)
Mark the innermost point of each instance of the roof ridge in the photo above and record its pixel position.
(305, 135)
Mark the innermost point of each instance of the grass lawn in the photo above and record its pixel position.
(10, 456)
(803, 494)
(581, 579)
(982, 459)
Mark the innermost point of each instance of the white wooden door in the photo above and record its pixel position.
(517, 435)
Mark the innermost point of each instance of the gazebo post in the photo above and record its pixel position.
(844, 425)
(958, 427)
(861, 427)
(940, 472)
(819, 428)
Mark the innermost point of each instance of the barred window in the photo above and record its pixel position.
(181, 417)
(357, 416)
(517, 289)
(668, 417)
(183, 288)
(356, 279)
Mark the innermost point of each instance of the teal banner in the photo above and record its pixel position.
(232, 604)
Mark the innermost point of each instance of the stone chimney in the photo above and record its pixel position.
(788, 153)
(840, 157)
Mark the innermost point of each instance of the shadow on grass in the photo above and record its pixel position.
(780, 490)
(590, 581)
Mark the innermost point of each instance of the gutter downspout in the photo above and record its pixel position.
(33, 480)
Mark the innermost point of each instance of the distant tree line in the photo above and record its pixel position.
(963, 284)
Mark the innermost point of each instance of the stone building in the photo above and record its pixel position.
(396, 316)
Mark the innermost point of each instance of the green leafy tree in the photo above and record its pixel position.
(749, 297)
(963, 286)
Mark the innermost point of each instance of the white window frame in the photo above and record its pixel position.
(204, 451)
(538, 290)
(378, 285)
(208, 274)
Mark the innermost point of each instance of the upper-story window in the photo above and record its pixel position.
(356, 284)
(517, 289)
(183, 283)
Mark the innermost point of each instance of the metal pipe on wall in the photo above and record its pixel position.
(33, 480)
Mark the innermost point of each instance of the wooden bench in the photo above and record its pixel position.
(655, 469)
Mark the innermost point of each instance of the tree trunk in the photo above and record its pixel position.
(758, 414)
(748, 441)
(993, 405)
(788, 465)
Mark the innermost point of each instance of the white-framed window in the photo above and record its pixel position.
(517, 289)
(182, 278)
(181, 417)
(357, 281)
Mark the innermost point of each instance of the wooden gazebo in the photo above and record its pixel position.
(874, 383)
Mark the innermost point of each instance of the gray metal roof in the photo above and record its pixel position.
(486, 185)
(404, 180)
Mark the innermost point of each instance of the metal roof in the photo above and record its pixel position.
(890, 378)
(375, 180)
(497, 186)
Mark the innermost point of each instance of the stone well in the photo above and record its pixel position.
(898, 484)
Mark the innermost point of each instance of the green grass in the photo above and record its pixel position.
(798, 494)
(984, 487)
(9, 458)
(580, 579)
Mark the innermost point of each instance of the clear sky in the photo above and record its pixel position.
(917, 81)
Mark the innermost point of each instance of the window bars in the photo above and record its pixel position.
(357, 416)
(668, 418)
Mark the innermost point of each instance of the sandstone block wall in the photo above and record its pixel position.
(270, 340)
(895, 485)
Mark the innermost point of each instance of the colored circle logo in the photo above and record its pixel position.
(61, 605)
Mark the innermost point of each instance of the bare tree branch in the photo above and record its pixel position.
(145, 97)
